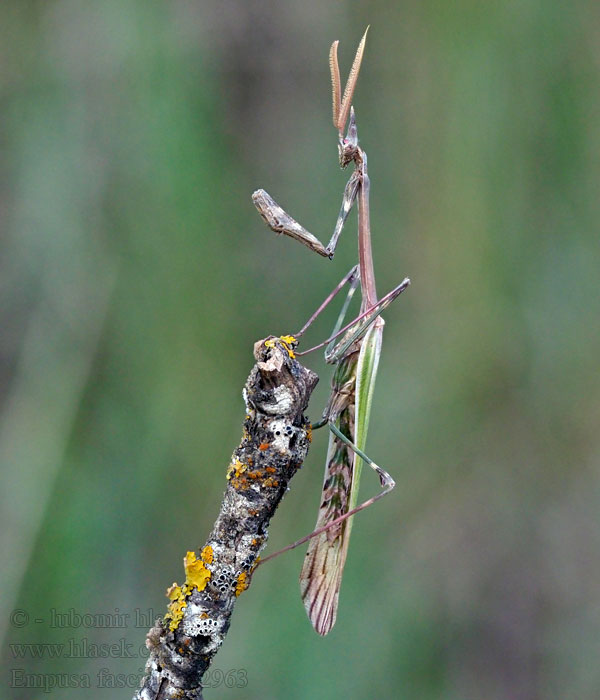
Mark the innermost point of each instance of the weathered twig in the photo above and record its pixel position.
(274, 444)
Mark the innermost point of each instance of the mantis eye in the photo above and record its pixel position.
(347, 151)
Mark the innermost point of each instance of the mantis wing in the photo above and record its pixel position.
(323, 567)
(366, 373)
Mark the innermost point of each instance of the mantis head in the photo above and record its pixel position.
(342, 106)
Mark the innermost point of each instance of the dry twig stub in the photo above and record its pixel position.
(275, 441)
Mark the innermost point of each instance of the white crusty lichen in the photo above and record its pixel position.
(197, 621)
(282, 432)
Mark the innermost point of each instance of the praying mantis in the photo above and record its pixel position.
(354, 350)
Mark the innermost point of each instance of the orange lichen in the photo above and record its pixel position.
(241, 478)
(235, 469)
(245, 480)
(177, 595)
(196, 574)
(287, 341)
(242, 583)
(263, 446)
(207, 554)
(240, 483)
(173, 591)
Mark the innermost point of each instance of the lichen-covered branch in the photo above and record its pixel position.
(275, 441)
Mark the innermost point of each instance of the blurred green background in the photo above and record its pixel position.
(135, 276)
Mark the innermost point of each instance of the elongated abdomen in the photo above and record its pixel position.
(321, 574)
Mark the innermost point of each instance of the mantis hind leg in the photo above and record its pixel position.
(385, 479)
(387, 484)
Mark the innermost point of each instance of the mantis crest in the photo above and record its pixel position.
(354, 350)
